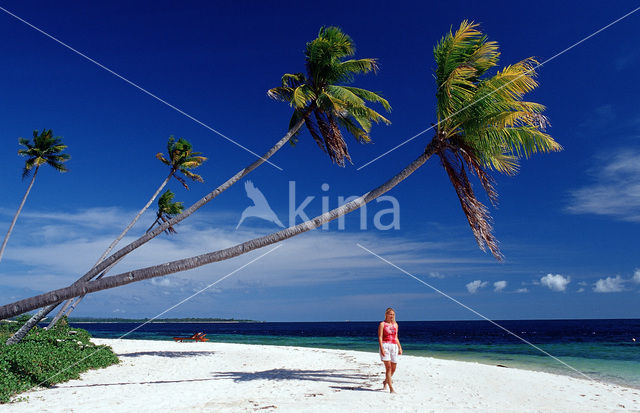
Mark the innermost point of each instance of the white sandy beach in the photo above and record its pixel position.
(163, 376)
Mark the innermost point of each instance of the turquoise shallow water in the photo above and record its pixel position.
(601, 349)
(601, 364)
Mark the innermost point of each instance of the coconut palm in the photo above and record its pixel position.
(321, 98)
(45, 149)
(181, 160)
(167, 209)
(503, 129)
(332, 43)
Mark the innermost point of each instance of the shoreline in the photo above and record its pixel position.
(165, 322)
(535, 363)
(212, 376)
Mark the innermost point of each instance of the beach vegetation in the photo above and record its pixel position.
(47, 357)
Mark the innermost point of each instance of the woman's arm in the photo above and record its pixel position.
(380, 328)
(398, 341)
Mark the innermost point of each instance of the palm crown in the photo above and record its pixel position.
(323, 100)
(182, 159)
(483, 123)
(45, 149)
(167, 209)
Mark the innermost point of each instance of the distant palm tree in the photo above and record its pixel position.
(181, 159)
(167, 209)
(502, 129)
(46, 149)
(323, 93)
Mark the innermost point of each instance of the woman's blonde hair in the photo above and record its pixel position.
(389, 309)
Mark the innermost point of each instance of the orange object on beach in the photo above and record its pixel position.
(196, 337)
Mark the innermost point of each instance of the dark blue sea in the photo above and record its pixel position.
(602, 349)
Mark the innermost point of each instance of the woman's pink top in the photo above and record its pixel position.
(389, 333)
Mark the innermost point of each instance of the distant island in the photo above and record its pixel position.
(158, 320)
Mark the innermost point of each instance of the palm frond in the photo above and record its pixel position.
(483, 122)
(370, 96)
(476, 213)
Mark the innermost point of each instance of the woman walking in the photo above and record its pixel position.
(390, 347)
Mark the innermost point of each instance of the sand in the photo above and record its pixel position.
(163, 376)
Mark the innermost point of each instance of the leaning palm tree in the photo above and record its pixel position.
(322, 98)
(46, 149)
(181, 161)
(505, 128)
(331, 43)
(167, 209)
(332, 104)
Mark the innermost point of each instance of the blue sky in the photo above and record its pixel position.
(568, 223)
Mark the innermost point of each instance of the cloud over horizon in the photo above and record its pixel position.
(499, 286)
(609, 285)
(555, 282)
(474, 286)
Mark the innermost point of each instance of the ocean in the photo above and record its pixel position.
(602, 349)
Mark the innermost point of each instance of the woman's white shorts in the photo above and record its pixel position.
(390, 352)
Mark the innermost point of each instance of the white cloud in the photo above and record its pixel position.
(609, 285)
(162, 282)
(615, 191)
(522, 290)
(580, 290)
(555, 282)
(499, 286)
(636, 276)
(436, 274)
(474, 286)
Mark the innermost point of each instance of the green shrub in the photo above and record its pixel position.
(47, 357)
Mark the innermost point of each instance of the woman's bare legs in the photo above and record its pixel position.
(388, 374)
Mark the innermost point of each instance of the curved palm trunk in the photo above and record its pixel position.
(77, 289)
(193, 208)
(68, 305)
(33, 321)
(118, 255)
(15, 218)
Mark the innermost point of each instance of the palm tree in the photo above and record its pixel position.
(327, 100)
(322, 99)
(331, 44)
(505, 129)
(182, 159)
(46, 149)
(167, 209)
